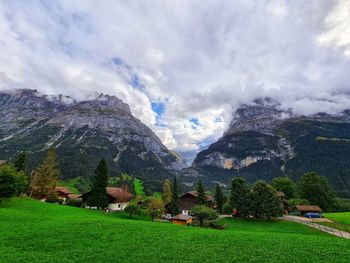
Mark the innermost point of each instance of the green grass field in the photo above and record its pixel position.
(342, 217)
(32, 231)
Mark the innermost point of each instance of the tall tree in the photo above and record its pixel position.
(7, 182)
(98, 195)
(285, 185)
(266, 203)
(201, 196)
(166, 194)
(219, 198)
(202, 213)
(155, 208)
(45, 177)
(20, 162)
(316, 190)
(175, 200)
(240, 198)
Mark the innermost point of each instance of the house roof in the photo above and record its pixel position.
(308, 208)
(119, 193)
(74, 196)
(63, 189)
(2, 162)
(195, 194)
(280, 194)
(182, 217)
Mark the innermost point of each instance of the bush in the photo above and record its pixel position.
(227, 209)
(202, 213)
(132, 209)
(74, 202)
(52, 198)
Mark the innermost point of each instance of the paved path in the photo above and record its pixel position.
(327, 229)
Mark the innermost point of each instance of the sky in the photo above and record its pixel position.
(183, 66)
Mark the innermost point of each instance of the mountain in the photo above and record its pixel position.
(83, 132)
(264, 141)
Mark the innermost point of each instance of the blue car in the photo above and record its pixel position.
(313, 215)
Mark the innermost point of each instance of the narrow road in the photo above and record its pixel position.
(327, 229)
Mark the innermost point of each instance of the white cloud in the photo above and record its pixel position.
(200, 59)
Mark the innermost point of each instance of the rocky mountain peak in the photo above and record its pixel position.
(261, 116)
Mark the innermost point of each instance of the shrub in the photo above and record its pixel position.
(132, 209)
(202, 213)
(52, 198)
(74, 202)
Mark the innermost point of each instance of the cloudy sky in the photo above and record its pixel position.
(181, 65)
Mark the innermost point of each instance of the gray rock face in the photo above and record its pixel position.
(61, 119)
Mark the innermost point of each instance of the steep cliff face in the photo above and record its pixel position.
(264, 141)
(82, 132)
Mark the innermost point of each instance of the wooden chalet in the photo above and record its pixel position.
(189, 200)
(303, 209)
(181, 219)
(119, 198)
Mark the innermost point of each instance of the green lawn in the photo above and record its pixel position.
(342, 217)
(32, 231)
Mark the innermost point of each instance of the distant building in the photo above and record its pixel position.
(3, 162)
(181, 219)
(304, 209)
(188, 201)
(119, 198)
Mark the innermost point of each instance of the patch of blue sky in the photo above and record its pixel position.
(136, 83)
(158, 108)
(218, 119)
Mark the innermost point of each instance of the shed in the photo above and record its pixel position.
(181, 219)
(303, 209)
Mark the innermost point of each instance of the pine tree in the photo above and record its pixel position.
(219, 198)
(45, 177)
(240, 198)
(98, 195)
(175, 201)
(166, 194)
(20, 162)
(201, 196)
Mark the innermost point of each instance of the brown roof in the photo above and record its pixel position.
(280, 194)
(2, 162)
(182, 217)
(74, 196)
(119, 193)
(63, 189)
(195, 194)
(308, 208)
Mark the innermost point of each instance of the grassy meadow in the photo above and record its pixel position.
(341, 217)
(32, 231)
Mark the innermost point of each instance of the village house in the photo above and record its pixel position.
(3, 162)
(182, 219)
(304, 209)
(118, 198)
(189, 200)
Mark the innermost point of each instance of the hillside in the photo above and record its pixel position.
(264, 141)
(32, 231)
(83, 132)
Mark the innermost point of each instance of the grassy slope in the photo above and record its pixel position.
(31, 231)
(343, 217)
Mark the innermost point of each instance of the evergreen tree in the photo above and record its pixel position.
(98, 195)
(201, 196)
(175, 201)
(240, 198)
(166, 194)
(45, 177)
(219, 198)
(316, 190)
(7, 182)
(20, 162)
(266, 203)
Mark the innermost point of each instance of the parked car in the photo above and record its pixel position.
(313, 215)
(166, 216)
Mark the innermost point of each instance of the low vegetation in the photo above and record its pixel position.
(32, 231)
